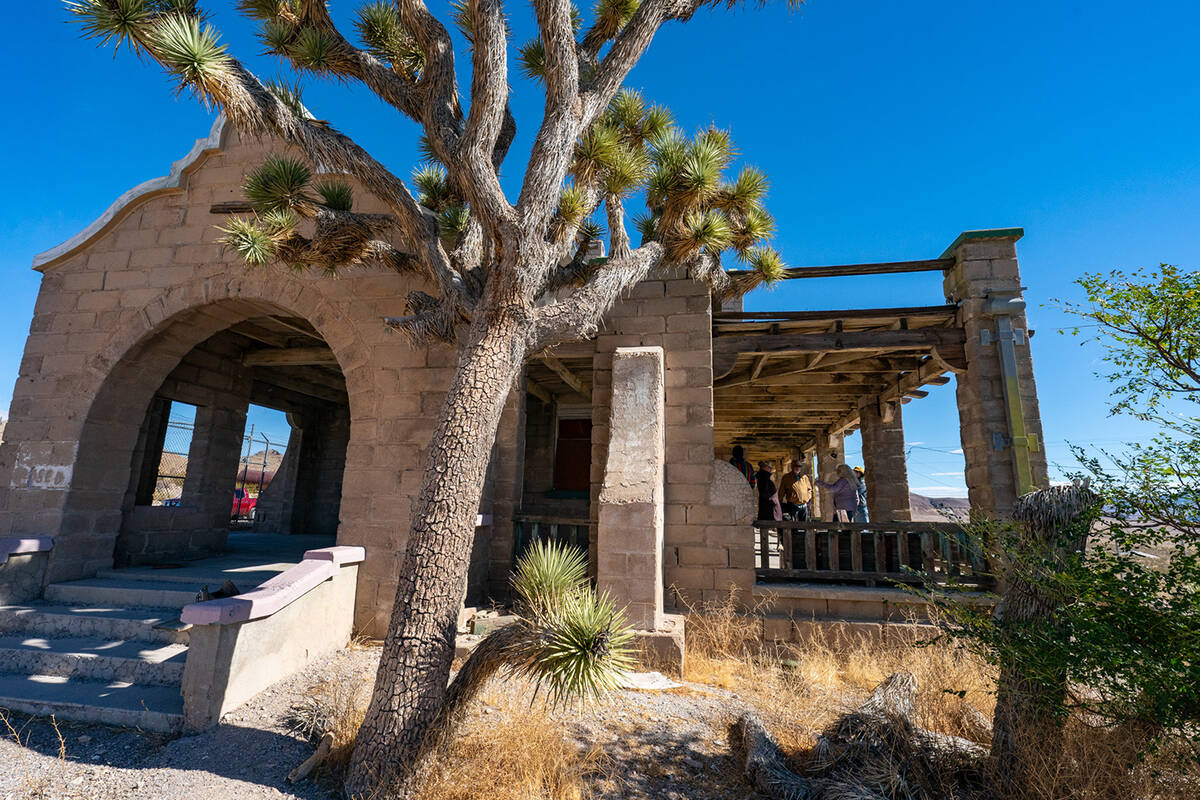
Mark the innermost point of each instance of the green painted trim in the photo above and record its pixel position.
(990, 233)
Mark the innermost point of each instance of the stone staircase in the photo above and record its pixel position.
(111, 648)
(104, 649)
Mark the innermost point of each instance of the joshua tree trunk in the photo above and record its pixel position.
(518, 276)
(415, 665)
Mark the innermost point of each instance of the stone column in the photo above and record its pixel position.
(830, 453)
(883, 459)
(999, 419)
(629, 539)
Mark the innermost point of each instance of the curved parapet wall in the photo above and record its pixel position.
(143, 191)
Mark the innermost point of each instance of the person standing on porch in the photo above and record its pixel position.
(845, 493)
(768, 495)
(796, 492)
(860, 512)
(743, 466)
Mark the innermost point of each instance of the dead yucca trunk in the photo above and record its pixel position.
(875, 752)
(1030, 701)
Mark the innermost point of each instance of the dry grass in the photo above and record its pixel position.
(505, 750)
(35, 787)
(523, 754)
(800, 689)
(509, 749)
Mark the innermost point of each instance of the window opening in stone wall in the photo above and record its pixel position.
(264, 444)
(176, 445)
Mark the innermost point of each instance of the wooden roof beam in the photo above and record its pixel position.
(289, 356)
(726, 349)
(537, 390)
(885, 267)
(569, 378)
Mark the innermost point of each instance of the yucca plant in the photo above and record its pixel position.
(571, 641)
(507, 278)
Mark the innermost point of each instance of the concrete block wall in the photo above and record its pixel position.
(119, 310)
(705, 552)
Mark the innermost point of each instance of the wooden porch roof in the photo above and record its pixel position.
(783, 379)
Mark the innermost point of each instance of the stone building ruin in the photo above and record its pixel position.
(619, 444)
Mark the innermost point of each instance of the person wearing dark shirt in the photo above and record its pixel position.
(743, 466)
(768, 494)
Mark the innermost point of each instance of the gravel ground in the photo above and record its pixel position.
(669, 745)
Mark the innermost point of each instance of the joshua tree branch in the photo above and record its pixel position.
(618, 237)
(553, 147)
(391, 87)
(485, 121)
(627, 48)
(578, 316)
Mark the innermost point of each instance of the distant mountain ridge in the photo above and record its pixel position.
(938, 509)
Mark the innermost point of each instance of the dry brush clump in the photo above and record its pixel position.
(506, 748)
(809, 695)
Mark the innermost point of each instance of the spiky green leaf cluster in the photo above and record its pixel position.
(432, 190)
(117, 23)
(192, 52)
(252, 242)
(585, 645)
(335, 194)
(532, 56)
(611, 16)
(173, 29)
(279, 182)
(382, 31)
(693, 210)
(453, 221)
(292, 95)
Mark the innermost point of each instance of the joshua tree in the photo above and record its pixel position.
(513, 277)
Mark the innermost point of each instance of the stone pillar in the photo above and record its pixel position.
(830, 453)
(629, 540)
(884, 462)
(999, 419)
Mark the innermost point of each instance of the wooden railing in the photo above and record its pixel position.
(528, 529)
(867, 553)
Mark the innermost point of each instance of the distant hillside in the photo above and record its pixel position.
(937, 509)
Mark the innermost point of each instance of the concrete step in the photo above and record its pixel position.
(147, 624)
(123, 593)
(245, 575)
(92, 658)
(152, 708)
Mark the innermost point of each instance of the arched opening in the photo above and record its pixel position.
(168, 462)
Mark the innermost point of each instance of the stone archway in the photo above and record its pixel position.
(98, 505)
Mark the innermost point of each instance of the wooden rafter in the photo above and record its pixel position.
(569, 378)
(727, 348)
(840, 270)
(274, 356)
(537, 390)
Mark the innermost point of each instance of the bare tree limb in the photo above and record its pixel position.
(489, 96)
(561, 124)
(578, 316)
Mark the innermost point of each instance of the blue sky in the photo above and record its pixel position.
(886, 128)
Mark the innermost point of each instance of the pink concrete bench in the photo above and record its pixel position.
(12, 547)
(317, 567)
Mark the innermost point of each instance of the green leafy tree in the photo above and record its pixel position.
(513, 277)
(1100, 611)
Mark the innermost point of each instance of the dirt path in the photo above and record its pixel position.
(668, 745)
